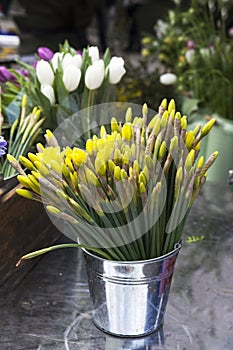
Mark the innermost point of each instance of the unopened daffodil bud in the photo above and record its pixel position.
(189, 139)
(117, 173)
(24, 193)
(127, 132)
(26, 163)
(171, 106)
(189, 160)
(207, 127)
(100, 165)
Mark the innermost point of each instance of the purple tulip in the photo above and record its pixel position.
(6, 75)
(79, 52)
(3, 144)
(190, 44)
(45, 53)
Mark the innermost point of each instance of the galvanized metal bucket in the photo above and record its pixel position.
(129, 298)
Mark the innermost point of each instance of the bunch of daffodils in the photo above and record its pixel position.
(126, 196)
(63, 82)
(23, 133)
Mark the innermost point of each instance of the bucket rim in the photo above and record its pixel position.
(135, 262)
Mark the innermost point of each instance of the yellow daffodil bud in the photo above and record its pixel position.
(153, 121)
(136, 166)
(111, 165)
(198, 146)
(207, 127)
(164, 103)
(164, 119)
(40, 147)
(69, 163)
(89, 146)
(189, 160)
(11, 158)
(189, 139)
(197, 129)
(178, 115)
(133, 151)
(117, 156)
(24, 193)
(44, 171)
(200, 162)
(124, 174)
(127, 132)
(26, 163)
(103, 132)
(171, 106)
(142, 188)
(142, 178)
(100, 166)
(114, 125)
(65, 171)
(53, 210)
(24, 101)
(162, 150)
(172, 114)
(23, 180)
(183, 122)
(35, 174)
(33, 157)
(117, 173)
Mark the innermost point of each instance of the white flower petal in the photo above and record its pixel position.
(93, 52)
(67, 60)
(116, 69)
(71, 77)
(95, 75)
(48, 91)
(56, 57)
(44, 72)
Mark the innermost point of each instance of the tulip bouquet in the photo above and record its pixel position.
(127, 194)
(63, 82)
(20, 137)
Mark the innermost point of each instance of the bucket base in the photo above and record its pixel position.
(157, 329)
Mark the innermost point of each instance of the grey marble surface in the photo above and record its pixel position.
(50, 309)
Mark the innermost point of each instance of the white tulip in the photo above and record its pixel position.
(95, 75)
(44, 72)
(67, 60)
(168, 79)
(71, 77)
(77, 60)
(116, 70)
(93, 52)
(48, 91)
(56, 58)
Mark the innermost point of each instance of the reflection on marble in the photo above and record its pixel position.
(51, 310)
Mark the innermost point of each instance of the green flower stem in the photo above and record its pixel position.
(60, 246)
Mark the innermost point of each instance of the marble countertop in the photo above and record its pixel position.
(50, 309)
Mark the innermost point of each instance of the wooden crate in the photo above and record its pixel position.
(24, 227)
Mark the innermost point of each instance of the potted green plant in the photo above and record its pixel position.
(124, 197)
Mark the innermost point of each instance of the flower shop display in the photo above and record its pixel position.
(62, 82)
(125, 198)
(196, 45)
